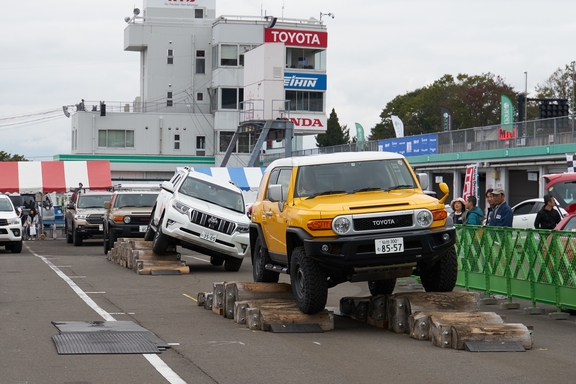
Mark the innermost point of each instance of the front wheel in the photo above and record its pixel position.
(106, 243)
(68, 234)
(216, 261)
(16, 248)
(441, 276)
(232, 264)
(160, 241)
(149, 235)
(260, 258)
(309, 282)
(382, 287)
(76, 238)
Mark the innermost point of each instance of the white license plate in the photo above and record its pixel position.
(101, 227)
(208, 236)
(142, 228)
(394, 245)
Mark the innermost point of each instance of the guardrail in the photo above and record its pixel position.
(535, 265)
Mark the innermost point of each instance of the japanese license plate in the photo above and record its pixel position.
(208, 236)
(142, 228)
(394, 245)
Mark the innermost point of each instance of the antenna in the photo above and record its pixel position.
(326, 14)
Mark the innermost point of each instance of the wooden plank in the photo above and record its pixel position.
(208, 301)
(148, 270)
(422, 324)
(241, 306)
(201, 298)
(455, 336)
(270, 316)
(253, 318)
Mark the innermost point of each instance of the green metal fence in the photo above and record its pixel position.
(535, 265)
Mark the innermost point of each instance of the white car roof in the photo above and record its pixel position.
(214, 180)
(340, 157)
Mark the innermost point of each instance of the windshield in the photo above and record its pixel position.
(92, 201)
(136, 200)
(353, 177)
(564, 193)
(213, 194)
(5, 205)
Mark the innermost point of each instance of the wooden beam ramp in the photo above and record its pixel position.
(447, 319)
(137, 255)
(263, 306)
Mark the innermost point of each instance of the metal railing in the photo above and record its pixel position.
(535, 265)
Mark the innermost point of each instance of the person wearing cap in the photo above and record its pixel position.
(547, 217)
(458, 209)
(501, 215)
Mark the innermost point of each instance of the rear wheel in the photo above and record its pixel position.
(441, 276)
(217, 261)
(382, 287)
(309, 282)
(160, 241)
(259, 260)
(233, 264)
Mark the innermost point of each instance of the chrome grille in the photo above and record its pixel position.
(384, 222)
(212, 222)
(95, 219)
(3, 222)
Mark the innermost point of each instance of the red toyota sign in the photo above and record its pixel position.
(296, 37)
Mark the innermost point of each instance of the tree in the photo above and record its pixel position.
(473, 100)
(335, 134)
(4, 156)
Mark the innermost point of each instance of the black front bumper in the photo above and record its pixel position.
(128, 230)
(360, 250)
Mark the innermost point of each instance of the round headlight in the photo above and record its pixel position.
(424, 218)
(127, 219)
(341, 225)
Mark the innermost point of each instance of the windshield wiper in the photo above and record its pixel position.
(401, 186)
(325, 193)
(369, 189)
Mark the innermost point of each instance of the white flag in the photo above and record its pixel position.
(398, 126)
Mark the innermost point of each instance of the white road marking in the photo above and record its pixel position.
(162, 368)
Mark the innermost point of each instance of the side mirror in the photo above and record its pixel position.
(70, 206)
(274, 192)
(444, 188)
(106, 205)
(423, 180)
(166, 185)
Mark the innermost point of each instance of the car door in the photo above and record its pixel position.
(524, 214)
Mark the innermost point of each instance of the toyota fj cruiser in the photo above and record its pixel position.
(84, 216)
(362, 216)
(201, 213)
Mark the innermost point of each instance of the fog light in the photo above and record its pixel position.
(446, 237)
(325, 248)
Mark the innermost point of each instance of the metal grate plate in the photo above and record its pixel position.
(295, 328)
(103, 343)
(493, 346)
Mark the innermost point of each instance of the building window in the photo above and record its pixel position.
(199, 96)
(246, 142)
(170, 58)
(225, 139)
(176, 141)
(232, 98)
(215, 56)
(200, 62)
(199, 13)
(229, 55)
(168, 95)
(113, 138)
(200, 142)
(305, 101)
(304, 58)
(169, 101)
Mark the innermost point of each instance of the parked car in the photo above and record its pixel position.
(202, 213)
(524, 213)
(84, 216)
(10, 226)
(127, 215)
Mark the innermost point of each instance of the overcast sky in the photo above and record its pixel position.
(56, 53)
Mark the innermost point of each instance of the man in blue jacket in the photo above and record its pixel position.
(501, 212)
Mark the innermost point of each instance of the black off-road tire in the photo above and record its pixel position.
(16, 247)
(382, 287)
(309, 282)
(77, 239)
(112, 239)
(441, 276)
(161, 241)
(69, 238)
(149, 235)
(216, 261)
(261, 257)
(106, 243)
(232, 264)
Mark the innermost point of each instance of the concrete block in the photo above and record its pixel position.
(488, 301)
(559, 316)
(533, 311)
(509, 305)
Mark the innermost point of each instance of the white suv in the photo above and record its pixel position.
(10, 226)
(201, 213)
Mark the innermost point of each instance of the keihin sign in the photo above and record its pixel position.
(208, 4)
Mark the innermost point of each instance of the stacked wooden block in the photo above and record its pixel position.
(261, 306)
(447, 319)
(137, 255)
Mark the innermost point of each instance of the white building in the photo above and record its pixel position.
(200, 76)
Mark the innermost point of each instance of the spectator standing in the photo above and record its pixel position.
(32, 224)
(501, 215)
(473, 215)
(488, 205)
(457, 206)
(548, 217)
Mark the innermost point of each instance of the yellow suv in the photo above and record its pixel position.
(361, 216)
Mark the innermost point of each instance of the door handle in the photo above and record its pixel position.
(269, 213)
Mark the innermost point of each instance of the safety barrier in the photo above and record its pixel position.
(535, 265)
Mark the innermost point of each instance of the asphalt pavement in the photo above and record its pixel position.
(52, 281)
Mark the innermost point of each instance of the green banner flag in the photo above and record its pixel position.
(507, 120)
(359, 132)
